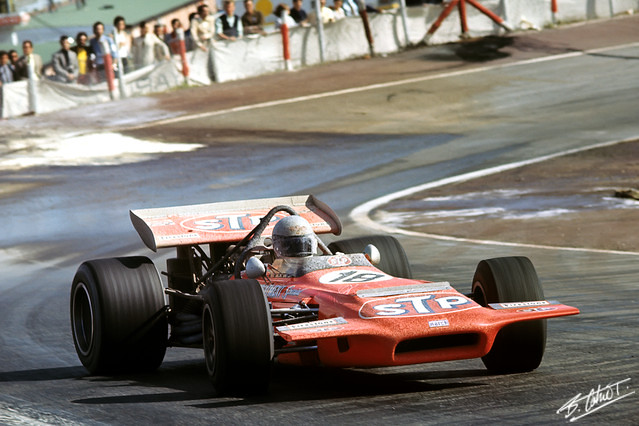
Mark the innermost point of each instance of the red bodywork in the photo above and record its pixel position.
(392, 321)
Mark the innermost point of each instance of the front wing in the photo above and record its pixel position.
(362, 342)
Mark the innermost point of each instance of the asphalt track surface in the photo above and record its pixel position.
(433, 113)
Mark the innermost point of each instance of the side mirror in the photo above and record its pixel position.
(255, 268)
(372, 254)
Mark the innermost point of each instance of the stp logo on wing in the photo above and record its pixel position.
(229, 222)
(415, 305)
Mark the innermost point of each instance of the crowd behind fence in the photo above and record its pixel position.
(222, 46)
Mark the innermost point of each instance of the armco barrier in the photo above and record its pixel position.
(345, 39)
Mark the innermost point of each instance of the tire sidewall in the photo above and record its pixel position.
(212, 317)
(91, 357)
(484, 288)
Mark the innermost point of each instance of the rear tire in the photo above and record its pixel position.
(118, 315)
(518, 347)
(238, 337)
(393, 257)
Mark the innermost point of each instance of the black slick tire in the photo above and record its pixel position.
(238, 337)
(118, 315)
(518, 347)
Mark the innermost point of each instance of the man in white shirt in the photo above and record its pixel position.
(122, 40)
(148, 48)
(29, 58)
(203, 28)
(326, 14)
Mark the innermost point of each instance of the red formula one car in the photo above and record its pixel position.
(248, 287)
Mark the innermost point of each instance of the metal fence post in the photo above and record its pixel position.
(402, 11)
(320, 28)
(121, 85)
(31, 87)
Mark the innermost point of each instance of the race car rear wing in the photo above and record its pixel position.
(226, 221)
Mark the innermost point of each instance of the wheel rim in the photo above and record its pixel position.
(208, 333)
(83, 320)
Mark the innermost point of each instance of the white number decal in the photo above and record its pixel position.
(353, 276)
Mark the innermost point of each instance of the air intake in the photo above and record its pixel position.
(437, 342)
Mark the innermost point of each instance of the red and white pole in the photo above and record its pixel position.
(182, 51)
(110, 76)
(367, 26)
(462, 18)
(108, 68)
(554, 9)
(286, 42)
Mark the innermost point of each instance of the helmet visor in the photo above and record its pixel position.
(295, 246)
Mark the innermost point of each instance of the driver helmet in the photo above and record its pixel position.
(294, 237)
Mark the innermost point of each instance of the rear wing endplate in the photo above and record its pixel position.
(226, 221)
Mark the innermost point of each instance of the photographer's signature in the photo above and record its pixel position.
(582, 405)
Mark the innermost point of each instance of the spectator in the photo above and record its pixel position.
(122, 41)
(6, 74)
(338, 9)
(203, 28)
(188, 34)
(28, 57)
(159, 29)
(79, 4)
(298, 14)
(228, 26)
(148, 48)
(282, 15)
(172, 39)
(7, 70)
(65, 62)
(83, 53)
(14, 57)
(252, 20)
(325, 12)
(98, 44)
(351, 8)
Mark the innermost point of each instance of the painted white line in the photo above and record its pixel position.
(361, 214)
(376, 86)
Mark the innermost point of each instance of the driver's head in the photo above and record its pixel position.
(294, 237)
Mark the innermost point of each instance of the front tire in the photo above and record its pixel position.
(518, 347)
(393, 257)
(238, 337)
(118, 315)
